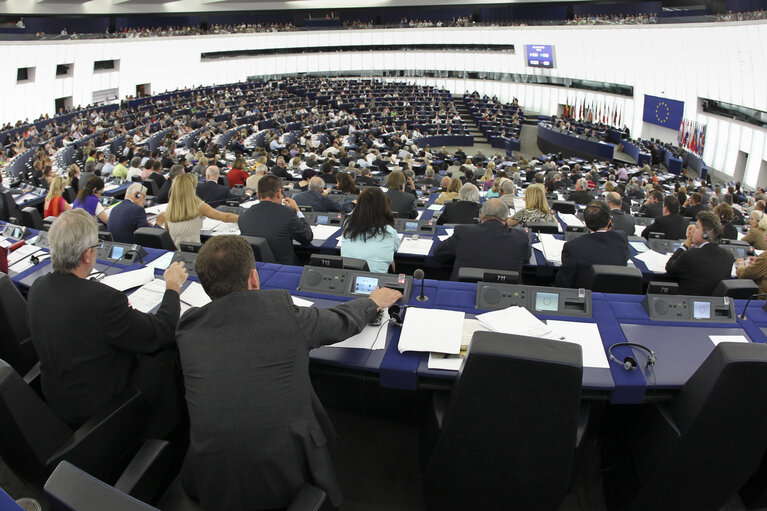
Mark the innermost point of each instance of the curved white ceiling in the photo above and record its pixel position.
(72, 7)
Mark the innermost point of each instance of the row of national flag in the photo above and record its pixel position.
(594, 111)
(692, 136)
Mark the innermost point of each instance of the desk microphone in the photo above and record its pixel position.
(418, 274)
(757, 295)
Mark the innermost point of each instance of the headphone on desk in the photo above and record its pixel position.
(35, 259)
(629, 363)
(394, 314)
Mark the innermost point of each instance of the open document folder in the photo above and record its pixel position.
(431, 330)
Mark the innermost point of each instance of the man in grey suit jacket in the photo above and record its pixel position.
(622, 221)
(258, 430)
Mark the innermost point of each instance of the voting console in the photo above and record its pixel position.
(558, 301)
(352, 283)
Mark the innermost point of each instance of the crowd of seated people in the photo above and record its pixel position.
(743, 16)
(493, 118)
(614, 19)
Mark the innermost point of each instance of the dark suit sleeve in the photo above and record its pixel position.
(327, 326)
(413, 213)
(675, 265)
(141, 220)
(300, 230)
(132, 330)
(566, 274)
(647, 230)
(447, 250)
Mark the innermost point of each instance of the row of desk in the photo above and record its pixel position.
(680, 347)
(554, 140)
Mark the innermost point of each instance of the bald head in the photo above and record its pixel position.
(614, 200)
(494, 209)
(212, 173)
(317, 184)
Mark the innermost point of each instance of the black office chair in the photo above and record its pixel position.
(151, 186)
(15, 343)
(741, 289)
(261, 249)
(565, 207)
(153, 237)
(574, 231)
(608, 278)
(710, 436)
(30, 217)
(8, 207)
(495, 446)
(35, 439)
(69, 194)
(544, 227)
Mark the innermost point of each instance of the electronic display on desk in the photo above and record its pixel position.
(117, 252)
(411, 226)
(546, 301)
(365, 285)
(322, 219)
(16, 232)
(701, 310)
(540, 55)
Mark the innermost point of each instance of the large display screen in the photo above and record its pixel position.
(540, 55)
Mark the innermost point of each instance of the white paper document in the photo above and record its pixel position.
(436, 207)
(420, 214)
(156, 210)
(129, 279)
(301, 302)
(111, 186)
(431, 330)
(655, 261)
(552, 247)
(587, 336)
(162, 262)
(638, 230)
(195, 295)
(571, 219)
(371, 337)
(443, 237)
(421, 246)
(18, 260)
(248, 204)
(519, 204)
(148, 296)
(716, 339)
(323, 232)
(515, 320)
(445, 362)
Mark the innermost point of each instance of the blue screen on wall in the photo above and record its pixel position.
(540, 55)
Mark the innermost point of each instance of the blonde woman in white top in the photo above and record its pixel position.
(185, 211)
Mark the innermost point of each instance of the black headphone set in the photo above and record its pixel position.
(605, 214)
(629, 363)
(394, 314)
(34, 259)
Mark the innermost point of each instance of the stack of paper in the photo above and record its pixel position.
(587, 336)
(129, 279)
(519, 204)
(421, 246)
(431, 330)
(515, 320)
(716, 339)
(552, 247)
(195, 295)
(570, 219)
(655, 261)
(148, 296)
(323, 232)
(18, 260)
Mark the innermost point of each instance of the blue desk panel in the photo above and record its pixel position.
(554, 140)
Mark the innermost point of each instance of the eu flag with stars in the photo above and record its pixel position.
(663, 112)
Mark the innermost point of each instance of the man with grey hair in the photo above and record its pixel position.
(210, 191)
(88, 358)
(465, 210)
(622, 221)
(135, 168)
(581, 194)
(506, 189)
(129, 215)
(315, 197)
(429, 179)
(491, 244)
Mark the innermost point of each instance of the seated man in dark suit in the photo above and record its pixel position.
(315, 198)
(700, 263)
(465, 210)
(129, 215)
(327, 172)
(695, 205)
(581, 195)
(164, 193)
(490, 244)
(210, 191)
(276, 219)
(672, 225)
(601, 246)
(402, 203)
(653, 206)
(248, 449)
(622, 221)
(364, 178)
(280, 169)
(156, 174)
(88, 358)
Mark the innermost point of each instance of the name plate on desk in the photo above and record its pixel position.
(348, 282)
(557, 301)
(698, 309)
(415, 226)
